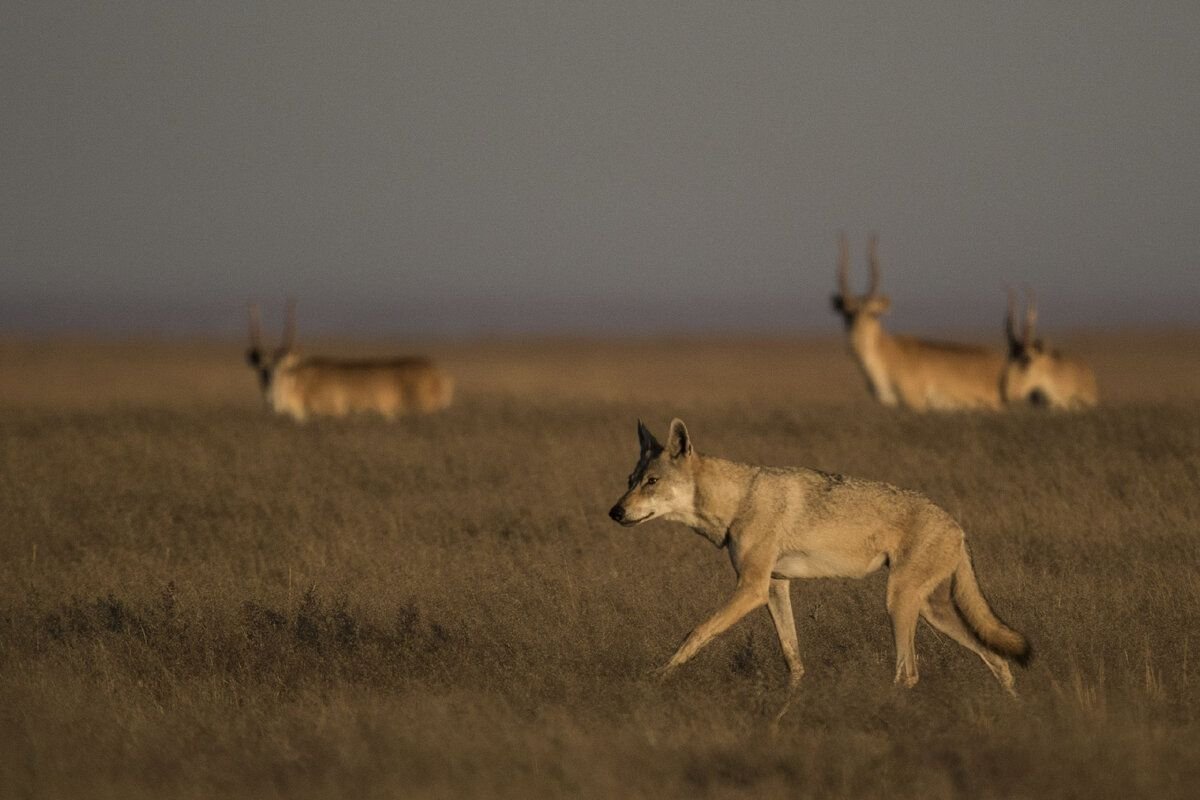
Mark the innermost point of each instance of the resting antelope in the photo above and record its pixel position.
(903, 370)
(302, 387)
(1039, 376)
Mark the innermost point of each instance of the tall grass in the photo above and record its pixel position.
(201, 601)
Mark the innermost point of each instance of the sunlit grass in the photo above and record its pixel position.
(204, 601)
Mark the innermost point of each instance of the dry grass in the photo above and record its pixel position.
(197, 600)
(89, 375)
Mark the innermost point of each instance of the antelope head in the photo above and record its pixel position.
(854, 307)
(1028, 372)
(256, 356)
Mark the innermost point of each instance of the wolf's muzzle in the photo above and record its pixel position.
(617, 513)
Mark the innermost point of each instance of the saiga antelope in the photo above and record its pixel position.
(903, 370)
(306, 386)
(779, 523)
(1037, 375)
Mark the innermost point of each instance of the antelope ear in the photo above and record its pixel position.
(839, 304)
(679, 443)
(253, 357)
(646, 439)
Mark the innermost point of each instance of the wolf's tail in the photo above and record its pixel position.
(974, 608)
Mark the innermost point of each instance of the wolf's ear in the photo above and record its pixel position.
(679, 444)
(646, 439)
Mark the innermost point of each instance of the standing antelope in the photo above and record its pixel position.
(302, 387)
(903, 370)
(1039, 376)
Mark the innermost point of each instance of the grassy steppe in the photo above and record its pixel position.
(198, 600)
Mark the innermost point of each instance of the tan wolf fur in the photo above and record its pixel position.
(302, 387)
(779, 523)
(902, 370)
(1037, 375)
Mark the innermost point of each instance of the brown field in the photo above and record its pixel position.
(198, 600)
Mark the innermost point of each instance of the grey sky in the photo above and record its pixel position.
(613, 167)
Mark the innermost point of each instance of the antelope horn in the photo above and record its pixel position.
(255, 326)
(1010, 323)
(1030, 317)
(873, 260)
(844, 265)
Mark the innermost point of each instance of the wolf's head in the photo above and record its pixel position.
(662, 483)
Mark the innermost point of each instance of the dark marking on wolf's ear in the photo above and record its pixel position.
(679, 443)
(646, 439)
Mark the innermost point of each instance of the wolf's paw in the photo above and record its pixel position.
(660, 674)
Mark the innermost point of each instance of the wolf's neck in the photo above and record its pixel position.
(721, 488)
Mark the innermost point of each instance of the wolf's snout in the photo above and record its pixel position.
(617, 513)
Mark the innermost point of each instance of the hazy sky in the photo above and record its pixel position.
(473, 167)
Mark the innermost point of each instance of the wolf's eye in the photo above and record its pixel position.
(651, 480)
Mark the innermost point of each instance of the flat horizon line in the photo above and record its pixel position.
(561, 337)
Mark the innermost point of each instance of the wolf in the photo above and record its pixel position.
(780, 523)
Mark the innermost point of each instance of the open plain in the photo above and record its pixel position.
(200, 600)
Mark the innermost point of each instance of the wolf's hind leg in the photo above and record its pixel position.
(906, 595)
(939, 611)
(779, 603)
(904, 609)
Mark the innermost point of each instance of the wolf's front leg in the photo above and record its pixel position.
(779, 603)
(738, 606)
(751, 593)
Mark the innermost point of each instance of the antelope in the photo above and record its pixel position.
(906, 371)
(301, 387)
(1038, 376)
